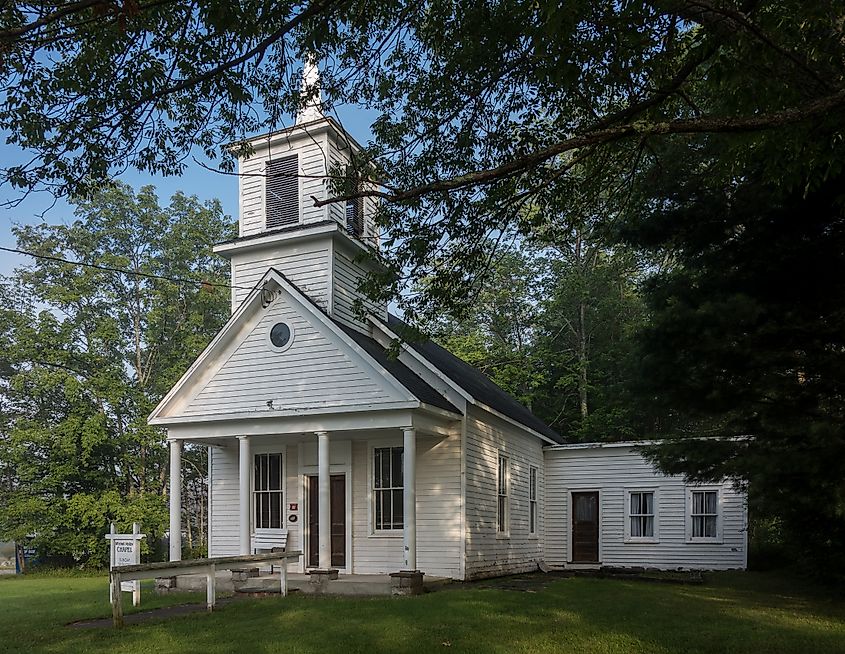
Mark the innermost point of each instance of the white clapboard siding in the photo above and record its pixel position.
(612, 471)
(488, 553)
(305, 264)
(438, 510)
(311, 166)
(347, 275)
(314, 372)
(339, 157)
(225, 517)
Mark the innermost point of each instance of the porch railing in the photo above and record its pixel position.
(208, 567)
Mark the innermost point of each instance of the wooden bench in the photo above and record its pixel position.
(269, 540)
(208, 567)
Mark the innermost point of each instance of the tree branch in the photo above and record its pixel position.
(704, 125)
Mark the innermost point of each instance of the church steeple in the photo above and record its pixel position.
(322, 250)
(311, 101)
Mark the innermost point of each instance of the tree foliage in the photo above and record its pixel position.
(555, 327)
(747, 344)
(483, 108)
(87, 353)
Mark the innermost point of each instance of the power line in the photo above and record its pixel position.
(123, 271)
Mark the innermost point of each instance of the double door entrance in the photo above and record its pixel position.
(338, 521)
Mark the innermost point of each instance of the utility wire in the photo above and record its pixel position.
(122, 271)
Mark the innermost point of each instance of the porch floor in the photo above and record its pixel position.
(354, 584)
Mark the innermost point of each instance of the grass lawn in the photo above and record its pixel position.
(733, 612)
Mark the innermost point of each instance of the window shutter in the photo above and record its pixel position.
(355, 217)
(281, 195)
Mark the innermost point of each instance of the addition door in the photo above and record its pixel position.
(585, 527)
(338, 519)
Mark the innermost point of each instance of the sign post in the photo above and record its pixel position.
(126, 550)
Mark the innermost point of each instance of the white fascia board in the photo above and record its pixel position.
(454, 385)
(263, 414)
(598, 445)
(332, 422)
(248, 243)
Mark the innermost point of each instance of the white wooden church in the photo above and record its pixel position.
(320, 441)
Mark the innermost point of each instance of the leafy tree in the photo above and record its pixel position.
(483, 107)
(555, 327)
(590, 314)
(747, 344)
(497, 334)
(87, 354)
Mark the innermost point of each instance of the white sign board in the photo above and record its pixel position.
(126, 550)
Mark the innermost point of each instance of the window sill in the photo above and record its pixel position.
(394, 533)
(633, 540)
(503, 535)
(705, 541)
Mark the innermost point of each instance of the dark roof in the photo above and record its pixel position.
(404, 375)
(473, 381)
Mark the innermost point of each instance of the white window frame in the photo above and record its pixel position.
(282, 491)
(689, 515)
(374, 492)
(503, 500)
(655, 537)
(533, 506)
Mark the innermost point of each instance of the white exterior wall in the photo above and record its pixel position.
(438, 503)
(347, 275)
(487, 552)
(310, 150)
(306, 264)
(313, 372)
(224, 518)
(438, 510)
(614, 470)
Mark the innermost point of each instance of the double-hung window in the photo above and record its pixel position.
(502, 509)
(641, 515)
(703, 514)
(388, 489)
(532, 500)
(268, 493)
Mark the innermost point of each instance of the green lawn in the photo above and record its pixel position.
(732, 612)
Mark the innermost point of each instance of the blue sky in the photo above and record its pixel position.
(196, 180)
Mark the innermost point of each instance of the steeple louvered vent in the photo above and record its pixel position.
(282, 192)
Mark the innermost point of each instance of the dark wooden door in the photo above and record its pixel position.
(585, 527)
(338, 520)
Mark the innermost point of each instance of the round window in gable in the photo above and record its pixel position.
(281, 336)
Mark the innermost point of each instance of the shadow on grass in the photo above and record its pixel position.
(578, 615)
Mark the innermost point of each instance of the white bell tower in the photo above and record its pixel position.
(324, 251)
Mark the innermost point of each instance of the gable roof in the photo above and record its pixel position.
(474, 382)
(404, 375)
(396, 379)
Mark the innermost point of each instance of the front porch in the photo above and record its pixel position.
(352, 500)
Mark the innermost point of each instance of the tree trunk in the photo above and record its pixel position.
(582, 360)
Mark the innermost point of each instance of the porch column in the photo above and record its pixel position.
(244, 467)
(324, 509)
(409, 532)
(175, 499)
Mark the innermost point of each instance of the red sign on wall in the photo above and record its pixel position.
(293, 506)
